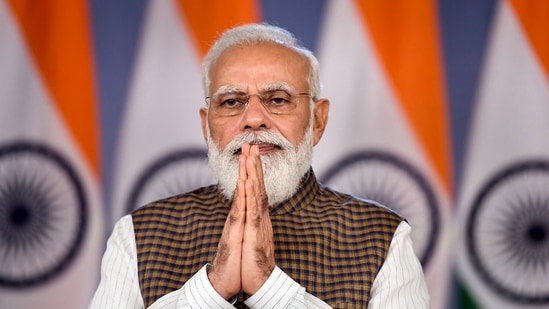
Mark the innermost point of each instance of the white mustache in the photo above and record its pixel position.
(257, 137)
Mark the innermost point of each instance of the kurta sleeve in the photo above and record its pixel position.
(400, 282)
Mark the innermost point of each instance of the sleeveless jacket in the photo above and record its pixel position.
(332, 244)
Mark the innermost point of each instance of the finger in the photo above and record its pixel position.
(245, 150)
(258, 247)
(251, 205)
(244, 154)
(225, 272)
(242, 173)
(233, 231)
(238, 207)
(256, 162)
(255, 175)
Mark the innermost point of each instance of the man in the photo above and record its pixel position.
(268, 235)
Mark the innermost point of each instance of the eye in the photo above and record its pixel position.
(231, 101)
(277, 98)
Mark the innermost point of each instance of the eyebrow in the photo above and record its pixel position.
(276, 86)
(227, 89)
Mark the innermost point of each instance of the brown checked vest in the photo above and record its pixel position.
(332, 244)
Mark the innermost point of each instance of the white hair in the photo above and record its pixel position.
(253, 34)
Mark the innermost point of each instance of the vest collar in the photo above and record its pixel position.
(305, 194)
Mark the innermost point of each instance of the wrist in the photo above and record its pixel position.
(212, 277)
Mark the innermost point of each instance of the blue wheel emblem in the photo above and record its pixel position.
(42, 214)
(508, 232)
(175, 173)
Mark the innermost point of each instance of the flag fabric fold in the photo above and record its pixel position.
(503, 219)
(51, 216)
(387, 138)
(161, 150)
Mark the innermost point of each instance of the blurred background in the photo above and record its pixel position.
(439, 110)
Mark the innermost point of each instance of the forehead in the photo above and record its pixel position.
(259, 65)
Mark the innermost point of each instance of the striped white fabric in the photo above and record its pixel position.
(399, 284)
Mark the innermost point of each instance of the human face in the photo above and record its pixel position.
(254, 69)
(285, 141)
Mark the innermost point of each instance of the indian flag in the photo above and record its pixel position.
(387, 138)
(51, 232)
(504, 199)
(161, 150)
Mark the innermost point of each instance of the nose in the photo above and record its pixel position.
(255, 116)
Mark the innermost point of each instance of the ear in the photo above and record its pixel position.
(321, 108)
(204, 119)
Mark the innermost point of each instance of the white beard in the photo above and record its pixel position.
(282, 169)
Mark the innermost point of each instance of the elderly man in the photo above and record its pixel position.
(267, 235)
